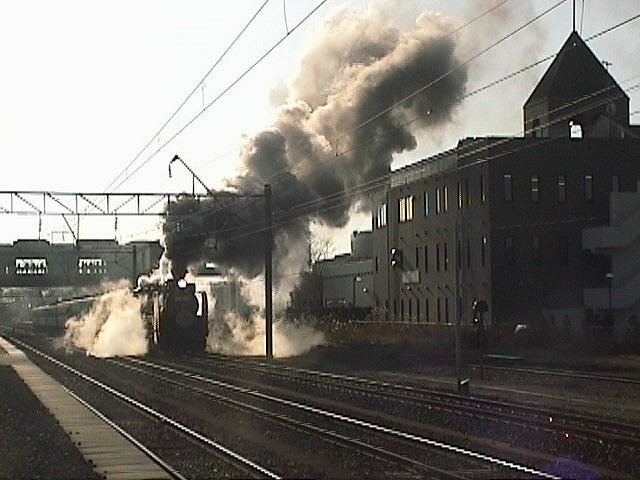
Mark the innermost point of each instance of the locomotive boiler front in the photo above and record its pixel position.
(183, 325)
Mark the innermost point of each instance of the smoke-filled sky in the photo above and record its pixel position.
(85, 85)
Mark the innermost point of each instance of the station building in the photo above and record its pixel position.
(38, 263)
(531, 225)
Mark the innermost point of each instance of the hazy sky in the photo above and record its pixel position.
(85, 84)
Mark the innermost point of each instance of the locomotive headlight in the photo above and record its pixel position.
(182, 283)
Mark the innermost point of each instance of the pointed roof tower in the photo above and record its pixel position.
(577, 89)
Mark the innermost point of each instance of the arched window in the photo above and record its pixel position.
(576, 129)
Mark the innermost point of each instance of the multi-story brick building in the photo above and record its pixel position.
(501, 219)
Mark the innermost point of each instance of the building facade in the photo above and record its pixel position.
(501, 219)
(38, 263)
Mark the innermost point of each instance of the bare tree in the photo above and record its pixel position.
(321, 248)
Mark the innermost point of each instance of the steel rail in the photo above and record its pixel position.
(354, 421)
(371, 450)
(154, 413)
(564, 373)
(168, 468)
(548, 418)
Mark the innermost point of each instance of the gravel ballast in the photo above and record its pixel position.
(32, 444)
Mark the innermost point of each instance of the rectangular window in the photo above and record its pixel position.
(426, 259)
(459, 255)
(483, 251)
(588, 187)
(445, 198)
(615, 183)
(439, 310)
(483, 190)
(405, 209)
(382, 215)
(510, 257)
(446, 257)
(437, 257)
(418, 310)
(31, 266)
(377, 263)
(417, 257)
(508, 187)
(459, 191)
(562, 188)
(410, 309)
(535, 188)
(91, 266)
(427, 212)
(438, 201)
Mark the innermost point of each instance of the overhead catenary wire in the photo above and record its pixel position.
(433, 82)
(266, 54)
(221, 94)
(341, 197)
(493, 83)
(186, 99)
(344, 195)
(380, 181)
(449, 72)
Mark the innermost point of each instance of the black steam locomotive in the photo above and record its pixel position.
(175, 315)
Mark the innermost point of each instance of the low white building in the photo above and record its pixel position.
(619, 293)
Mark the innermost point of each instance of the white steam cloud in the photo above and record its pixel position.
(113, 326)
(234, 335)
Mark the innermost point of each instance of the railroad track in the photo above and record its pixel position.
(593, 439)
(412, 455)
(394, 426)
(376, 440)
(168, 433)
(589, 427)
(570, 374)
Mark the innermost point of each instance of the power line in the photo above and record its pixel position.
(454, 69)
(329, 202)
(171, 117)
(384, 178)
(340, 197)
(375, 183)
(222, 93)
(485, 87)
(483, 14)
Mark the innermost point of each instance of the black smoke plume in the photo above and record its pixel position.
(322, 146)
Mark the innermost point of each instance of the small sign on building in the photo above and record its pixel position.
(410, 276)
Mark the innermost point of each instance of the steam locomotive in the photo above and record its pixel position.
(176, 316)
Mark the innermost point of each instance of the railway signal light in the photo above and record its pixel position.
(396, 257)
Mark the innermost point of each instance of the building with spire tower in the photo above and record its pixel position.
(545, 228)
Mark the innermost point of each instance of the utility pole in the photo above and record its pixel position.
(268, 274)
(456, 309)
